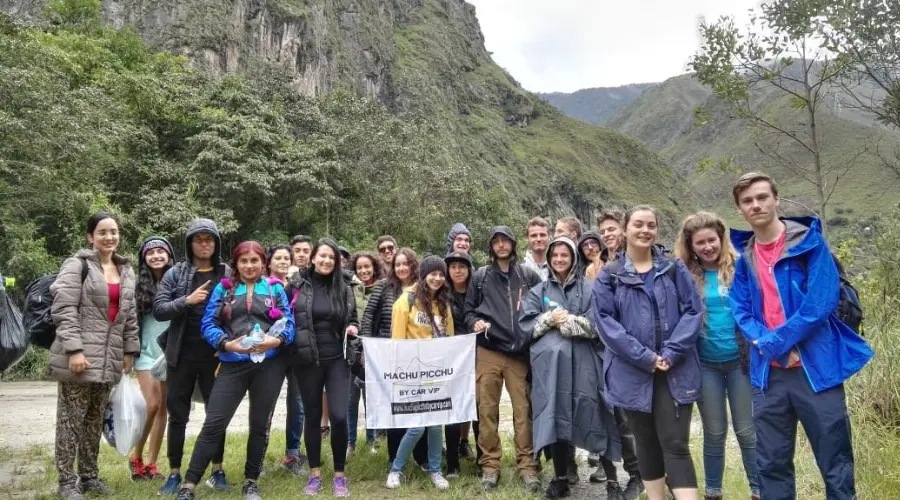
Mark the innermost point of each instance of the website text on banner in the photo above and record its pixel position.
(419, 383)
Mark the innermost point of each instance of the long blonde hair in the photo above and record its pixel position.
(685, 251)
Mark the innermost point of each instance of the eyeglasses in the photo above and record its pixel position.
(386, 249)
(590, 244)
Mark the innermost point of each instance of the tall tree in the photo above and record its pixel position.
(780, 51)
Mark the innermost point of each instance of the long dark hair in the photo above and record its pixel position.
(338, 287)
(145, 290)
(393, 282)
(426, 302)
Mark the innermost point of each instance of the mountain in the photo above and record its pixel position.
(422, 58)
(663, 117)
(595, 105)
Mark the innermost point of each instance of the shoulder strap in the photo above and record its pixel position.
(84, 269)
(614, 268)
(410, 299)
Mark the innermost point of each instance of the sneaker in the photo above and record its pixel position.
(614, 491)
(559, 488)
(137, 469)
(295, 465)
(393, 479)
(313, 486)
(172, 485)
(217, 481)
(96, 486)
(465, 450)
(339, 487)
(634, 488)
(593, 459)
(572, 473)
(598, 476)
(250, 490)
(452, 474)
(185, 494)
(532, 483)
(438, 480)
(712, 497)
(69, 492)
(151, 472)
(489, 481)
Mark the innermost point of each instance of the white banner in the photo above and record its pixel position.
(419, 383)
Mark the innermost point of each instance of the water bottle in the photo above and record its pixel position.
(255, 337)
(551, 305)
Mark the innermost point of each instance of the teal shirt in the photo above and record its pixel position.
(718, 343)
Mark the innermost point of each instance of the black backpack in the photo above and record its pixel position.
(36, 316)
(849, 309)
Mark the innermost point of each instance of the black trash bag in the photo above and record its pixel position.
(13, 339)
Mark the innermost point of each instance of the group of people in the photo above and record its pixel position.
(604, 340)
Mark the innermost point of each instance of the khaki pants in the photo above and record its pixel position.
(79, 425)
(492, 369)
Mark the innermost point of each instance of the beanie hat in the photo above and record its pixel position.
(458, 257)
(430, 264)
(156, 242)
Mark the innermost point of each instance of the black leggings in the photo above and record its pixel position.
(662, 438)
(629, 455)
(180, 383)
(561, 452)
(451, 436)
(263, 382)
(334, 378)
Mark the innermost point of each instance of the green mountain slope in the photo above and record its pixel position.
(595, 105)
(424, 59)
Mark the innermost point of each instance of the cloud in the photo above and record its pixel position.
(566, 45)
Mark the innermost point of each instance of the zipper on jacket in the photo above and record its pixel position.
(512, 319)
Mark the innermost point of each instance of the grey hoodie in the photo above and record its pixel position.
(457, 229)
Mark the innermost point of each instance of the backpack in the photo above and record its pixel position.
(849, 309)
(36, 316)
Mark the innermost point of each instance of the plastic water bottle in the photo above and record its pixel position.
(255, 337)
(551, 305)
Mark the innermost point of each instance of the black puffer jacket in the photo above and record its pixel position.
(376, 321)
(304, 349)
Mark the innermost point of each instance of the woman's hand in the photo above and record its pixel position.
(78, 363)
(128, 363)
(235, 346)
(352, 331)
(559, 316)
(661, 364)
(268, 343)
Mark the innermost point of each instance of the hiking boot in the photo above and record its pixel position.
(217, 481)
(614, 491)
(172, 485)
(489, 481)
(69, 492)
(393, 479)
(634, 488)
(559, 488)
(438, 480)
(295, 465)
(572, 472)
(598, 476)
(250, 490)
(137, 469)
(313, 486)
(96, 486)
(151, 471)
(532, 483)
(339, 487)
(593, 459)
(465, 450)
(185, 494)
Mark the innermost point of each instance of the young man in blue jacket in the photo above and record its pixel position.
(786, 288)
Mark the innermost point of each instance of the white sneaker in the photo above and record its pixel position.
(437, 479)
(393, 480)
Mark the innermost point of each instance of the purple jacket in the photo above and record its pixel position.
(624, 316)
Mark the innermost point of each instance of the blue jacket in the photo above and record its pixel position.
(268, 295)
(627, 326)
(830, 351)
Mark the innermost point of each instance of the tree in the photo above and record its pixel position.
(780, 52)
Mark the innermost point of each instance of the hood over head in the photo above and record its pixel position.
(457, 229)
(563, 240)
(501, 231)
(196, 227)
(590, 235)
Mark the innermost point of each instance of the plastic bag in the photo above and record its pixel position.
(13, 339)
(109, 431)
(159, 369)
(129, 414)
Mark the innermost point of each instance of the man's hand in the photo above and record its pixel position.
(199, 295)
(78, 363)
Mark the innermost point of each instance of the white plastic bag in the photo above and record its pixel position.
(159, 369)
(129, 414)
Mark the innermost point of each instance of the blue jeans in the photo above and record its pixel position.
(409, 441)
(721, 381)
(357, 389)
(293, 427)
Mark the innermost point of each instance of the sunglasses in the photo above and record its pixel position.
(389, 248)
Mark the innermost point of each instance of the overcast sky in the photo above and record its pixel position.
(566, 45)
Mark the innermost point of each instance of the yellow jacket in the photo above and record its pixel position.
(413, 323)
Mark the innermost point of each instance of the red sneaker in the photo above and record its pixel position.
(151, 472)
(137, 469)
